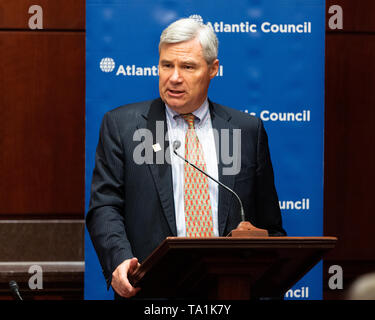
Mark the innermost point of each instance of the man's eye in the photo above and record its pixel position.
(187, 67)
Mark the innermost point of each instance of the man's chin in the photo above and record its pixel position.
(177, 106)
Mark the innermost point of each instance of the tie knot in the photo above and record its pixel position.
(189, 118)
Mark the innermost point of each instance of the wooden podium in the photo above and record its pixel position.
(227, 268)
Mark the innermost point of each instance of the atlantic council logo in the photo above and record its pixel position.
(107, 65)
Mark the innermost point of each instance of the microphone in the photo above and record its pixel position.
(15, 290)
(176, 145)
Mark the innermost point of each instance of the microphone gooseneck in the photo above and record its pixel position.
(176, 145)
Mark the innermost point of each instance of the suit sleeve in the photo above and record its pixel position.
(105, 218)
(267, 202)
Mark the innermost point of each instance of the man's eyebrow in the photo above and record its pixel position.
(187, 61)
(165, 61)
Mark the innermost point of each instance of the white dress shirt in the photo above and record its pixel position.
(177, 128)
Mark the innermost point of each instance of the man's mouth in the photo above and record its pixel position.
(175, 93)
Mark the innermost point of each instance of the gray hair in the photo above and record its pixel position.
(188, 29)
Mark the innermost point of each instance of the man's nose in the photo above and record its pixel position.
(176, 77)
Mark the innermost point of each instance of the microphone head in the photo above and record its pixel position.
(176, 144)
(13, 285)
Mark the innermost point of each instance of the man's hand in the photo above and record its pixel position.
(120, 282)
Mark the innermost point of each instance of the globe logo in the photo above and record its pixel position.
(107, 64)
(197, 18)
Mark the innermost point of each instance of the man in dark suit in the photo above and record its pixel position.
(142, 193)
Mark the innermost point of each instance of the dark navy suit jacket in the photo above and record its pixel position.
(131, 208)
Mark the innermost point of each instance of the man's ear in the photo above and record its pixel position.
(214, 68)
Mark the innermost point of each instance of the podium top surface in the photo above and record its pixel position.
(251, 242)
(225, 243)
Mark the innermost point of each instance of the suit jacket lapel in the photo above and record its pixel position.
(160, 167)
(220, 120)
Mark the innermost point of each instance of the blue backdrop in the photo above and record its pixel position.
(272, 65)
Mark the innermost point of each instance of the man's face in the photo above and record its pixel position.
(184, 75)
